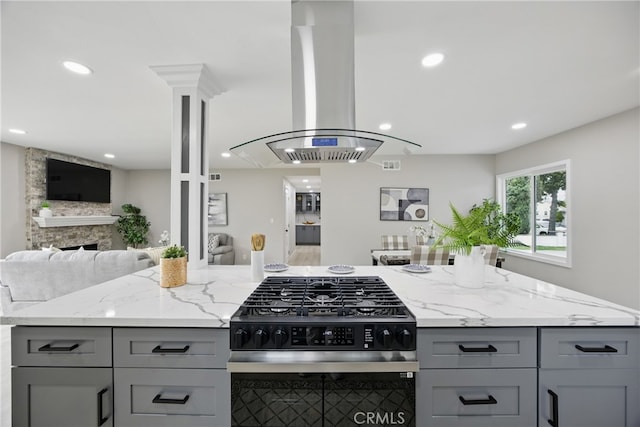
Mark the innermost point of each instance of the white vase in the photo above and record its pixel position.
(45, 213)
(257, 266)
(469, 269)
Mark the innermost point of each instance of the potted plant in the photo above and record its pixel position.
(133, 226)
(468, 235)
(45, 211)
(173, 267)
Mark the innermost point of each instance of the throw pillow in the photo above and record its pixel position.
(214, 241)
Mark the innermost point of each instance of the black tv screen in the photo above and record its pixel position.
(75, 182)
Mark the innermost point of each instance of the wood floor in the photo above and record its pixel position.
(305, 255)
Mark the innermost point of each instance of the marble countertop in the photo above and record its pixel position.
(214, 293)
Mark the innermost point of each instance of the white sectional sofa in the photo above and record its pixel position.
(29, 277)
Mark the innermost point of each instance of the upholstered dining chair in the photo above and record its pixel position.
(423, 254)
(395, 242)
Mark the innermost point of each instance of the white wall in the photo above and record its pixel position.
(13, 229)
(605, 197)
(351, 224)
(255, 204)
(150, 191)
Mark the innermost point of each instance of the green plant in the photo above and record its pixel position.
(133, 226)
(45, 204)
(484, 225)
(174, 251)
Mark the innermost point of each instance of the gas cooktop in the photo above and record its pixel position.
(313, 313)
(353, 296)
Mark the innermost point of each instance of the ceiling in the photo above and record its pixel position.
(553, 65)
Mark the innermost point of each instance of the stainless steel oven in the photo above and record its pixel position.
(323, 351)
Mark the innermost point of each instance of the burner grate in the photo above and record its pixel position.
(357, 296)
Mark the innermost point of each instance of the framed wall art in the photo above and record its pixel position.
(217, 209)
(404, 204)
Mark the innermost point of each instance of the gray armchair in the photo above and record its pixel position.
(221, 249)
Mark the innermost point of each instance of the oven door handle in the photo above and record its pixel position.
(322, 367)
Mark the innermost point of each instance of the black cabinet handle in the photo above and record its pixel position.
(488, 401)
(605, 349)
(554, 409)
(159, 349)
(160, 399)
(101, 419)
(487, 349)
(48, 347)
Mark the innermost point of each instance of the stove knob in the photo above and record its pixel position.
(239, 338)
(405, 338)
(280, 337)
(385, 337)
(260, 337)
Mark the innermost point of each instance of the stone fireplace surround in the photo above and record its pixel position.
(35, 194)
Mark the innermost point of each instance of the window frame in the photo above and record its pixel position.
(532, 172)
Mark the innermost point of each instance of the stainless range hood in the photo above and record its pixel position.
(323, 88)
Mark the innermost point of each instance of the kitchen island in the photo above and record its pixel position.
(538, 351)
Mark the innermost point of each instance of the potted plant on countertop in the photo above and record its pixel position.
(468, 235)
(173, 267)
(45, 210)
(133, 226)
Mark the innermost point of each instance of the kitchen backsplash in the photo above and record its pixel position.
(301, 217)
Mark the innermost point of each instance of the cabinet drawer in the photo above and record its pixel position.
(172, 397)
(591, 348)
(477, 348)
(477, 397)
(170, 347)
(60, 346)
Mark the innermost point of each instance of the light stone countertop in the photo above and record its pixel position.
(214, 293)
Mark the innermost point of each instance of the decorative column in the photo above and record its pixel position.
(193, 86)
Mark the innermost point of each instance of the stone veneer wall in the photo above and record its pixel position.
(35, 194)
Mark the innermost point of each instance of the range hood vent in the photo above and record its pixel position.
(323, 93)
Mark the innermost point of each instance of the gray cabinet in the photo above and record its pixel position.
(61, 377)
(476, 397)
(589, 377)
(307, 234)
(477, 377)
(70, 397)
(171, 377)
(308, 202)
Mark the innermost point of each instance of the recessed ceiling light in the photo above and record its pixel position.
(296, 162)
(109, 156)
(305, 180)
(225, 154)
(18, 131)
(520, 125)
(432, 59)
(360, 148)
(308, 186)
(385, 126)
(289, 150)
(310, 191)
(352, 160)
(77, 68)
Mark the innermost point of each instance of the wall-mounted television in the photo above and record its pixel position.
(76, 182)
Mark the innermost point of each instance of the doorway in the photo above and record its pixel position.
(303, 200)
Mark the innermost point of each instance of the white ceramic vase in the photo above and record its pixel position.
(45, 213)
(257, 266)
(469, 269)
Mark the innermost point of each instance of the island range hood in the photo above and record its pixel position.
(323, 92)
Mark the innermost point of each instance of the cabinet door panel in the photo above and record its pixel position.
(589, 398)
(581, 348)
(172, 397)
(69, 397)
(476, 397)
